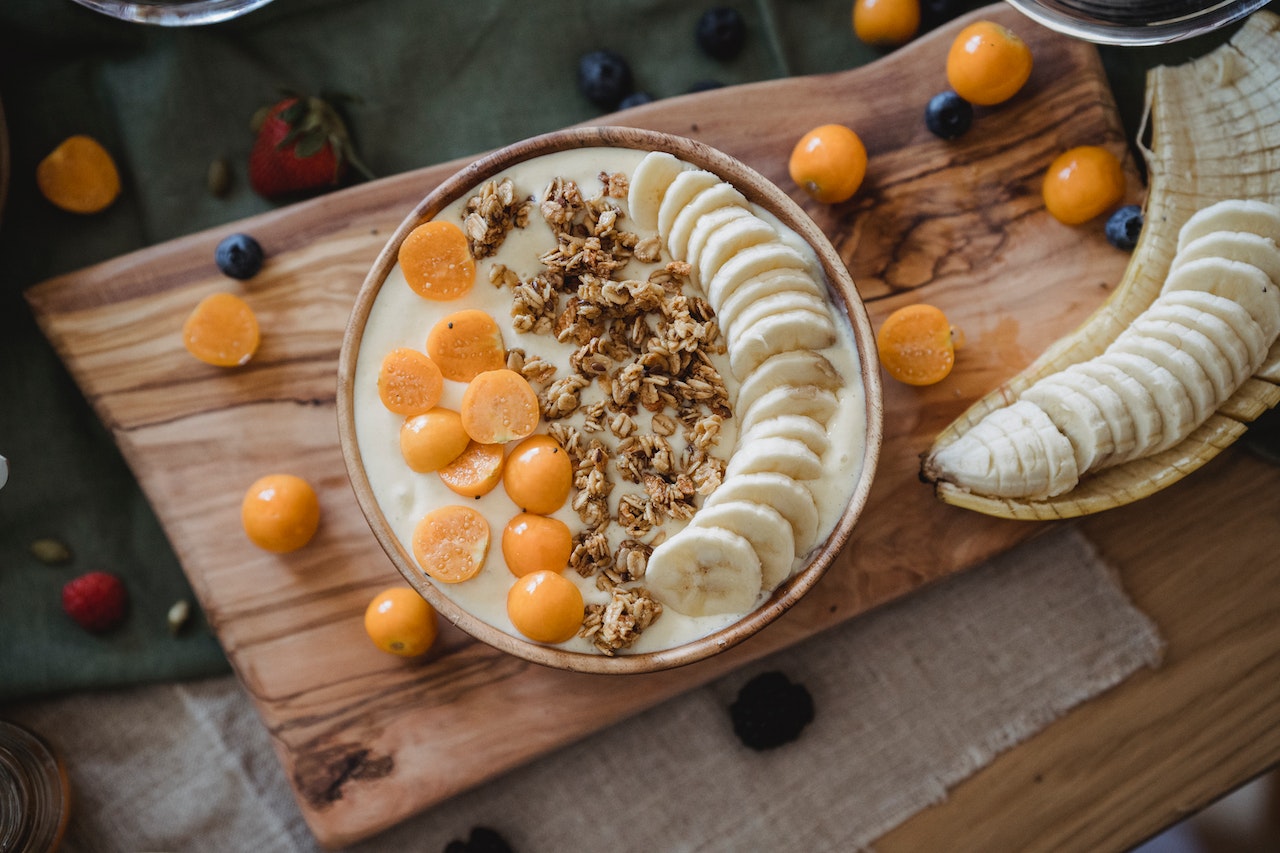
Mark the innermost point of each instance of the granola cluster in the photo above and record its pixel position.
(640, 373)
(491, 214)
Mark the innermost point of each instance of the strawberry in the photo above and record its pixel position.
(96, 601)
(302, 146)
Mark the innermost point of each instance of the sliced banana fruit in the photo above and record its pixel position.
(649, 184)
(1242, 283)
(1241, 323)
(707, 225)
(749, 262)
(1255, 217)
(717, 196)
(1172, 400)
(775, 303)
(1211, 161)
(727, 241)
(1078, 417)
(1244, 246)
(808, 400)
(802, 428)
(686, 186)
(705, 570)
(783, 455)
(764, 527)
(796, 367)
(796, 328)
(1182, 367)
(791, 498)
(760, 286)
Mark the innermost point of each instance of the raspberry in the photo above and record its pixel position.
(770, 711)
(96, 601)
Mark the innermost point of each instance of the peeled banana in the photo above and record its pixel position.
(1200, 301)
(752, 531)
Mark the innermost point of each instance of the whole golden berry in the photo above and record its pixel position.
(1082, 183)
(988, 63)
(829, 163)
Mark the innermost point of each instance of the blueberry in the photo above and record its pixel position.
(770, 711)
(635, 99)
(705, 86)
(721, 32)
(482, 840)
(239, 256)
(605, 78)
(948, 115)
(1124, 226)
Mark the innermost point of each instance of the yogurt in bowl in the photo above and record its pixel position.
(701, 377)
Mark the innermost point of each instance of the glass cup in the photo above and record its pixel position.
(174, 13)
(1136, 22)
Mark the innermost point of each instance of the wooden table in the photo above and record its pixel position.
(1201, 560)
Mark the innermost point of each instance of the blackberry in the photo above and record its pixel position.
(721, 33)
(605, 78)
(770, 711)
(239, 256)
(1124, 226)
(948, 115)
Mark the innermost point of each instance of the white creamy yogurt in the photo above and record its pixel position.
(401, 318)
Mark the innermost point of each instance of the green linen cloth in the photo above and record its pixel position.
(431, 81)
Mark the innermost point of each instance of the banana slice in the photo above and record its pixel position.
(683, 189)
(1172, 402)
(747, 262)
(708, 224)
(649, 184)
(808, 400)
(1046, 457)
(792, 329)
(983, 460)
(781, 455)
(1136, 406)
(1245, 329)
(1256, 217)
(797, 367)
(702, 571)
(726, 242)
(1112, 408)
(766, 284)
(1179, 363)
(764, 527)
(1184, 328)
(713, 198)
(1242, 283)
(1078, 417)
(774, 303)
(1244, 246)
(802, 428)
(789, 497)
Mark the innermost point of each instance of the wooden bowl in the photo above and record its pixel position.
(844, 296)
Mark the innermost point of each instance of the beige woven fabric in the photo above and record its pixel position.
(909, 701)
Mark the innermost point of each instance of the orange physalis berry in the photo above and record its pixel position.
(829, 163)
(280, 513)
(466, 344)
(436, 261)
(886, 23)
(476, 472)
(545, 606)
(409, 383)
(401, 622)
(222, 330)
(917, 345)
(538, 475)
(500, 406)
(79, 176)
(534, 543)
(451, 543)
(988, 63)
(1083, 183)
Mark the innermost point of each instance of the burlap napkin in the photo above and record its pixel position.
(909, 701)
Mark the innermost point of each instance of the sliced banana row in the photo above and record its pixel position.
(775, 317)
(1209, 330)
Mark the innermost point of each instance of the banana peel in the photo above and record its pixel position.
(1215, 135)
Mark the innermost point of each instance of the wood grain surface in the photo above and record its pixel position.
(367, 739)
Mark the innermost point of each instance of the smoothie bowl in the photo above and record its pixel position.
(608, 399)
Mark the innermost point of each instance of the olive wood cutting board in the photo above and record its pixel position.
(367, 739)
